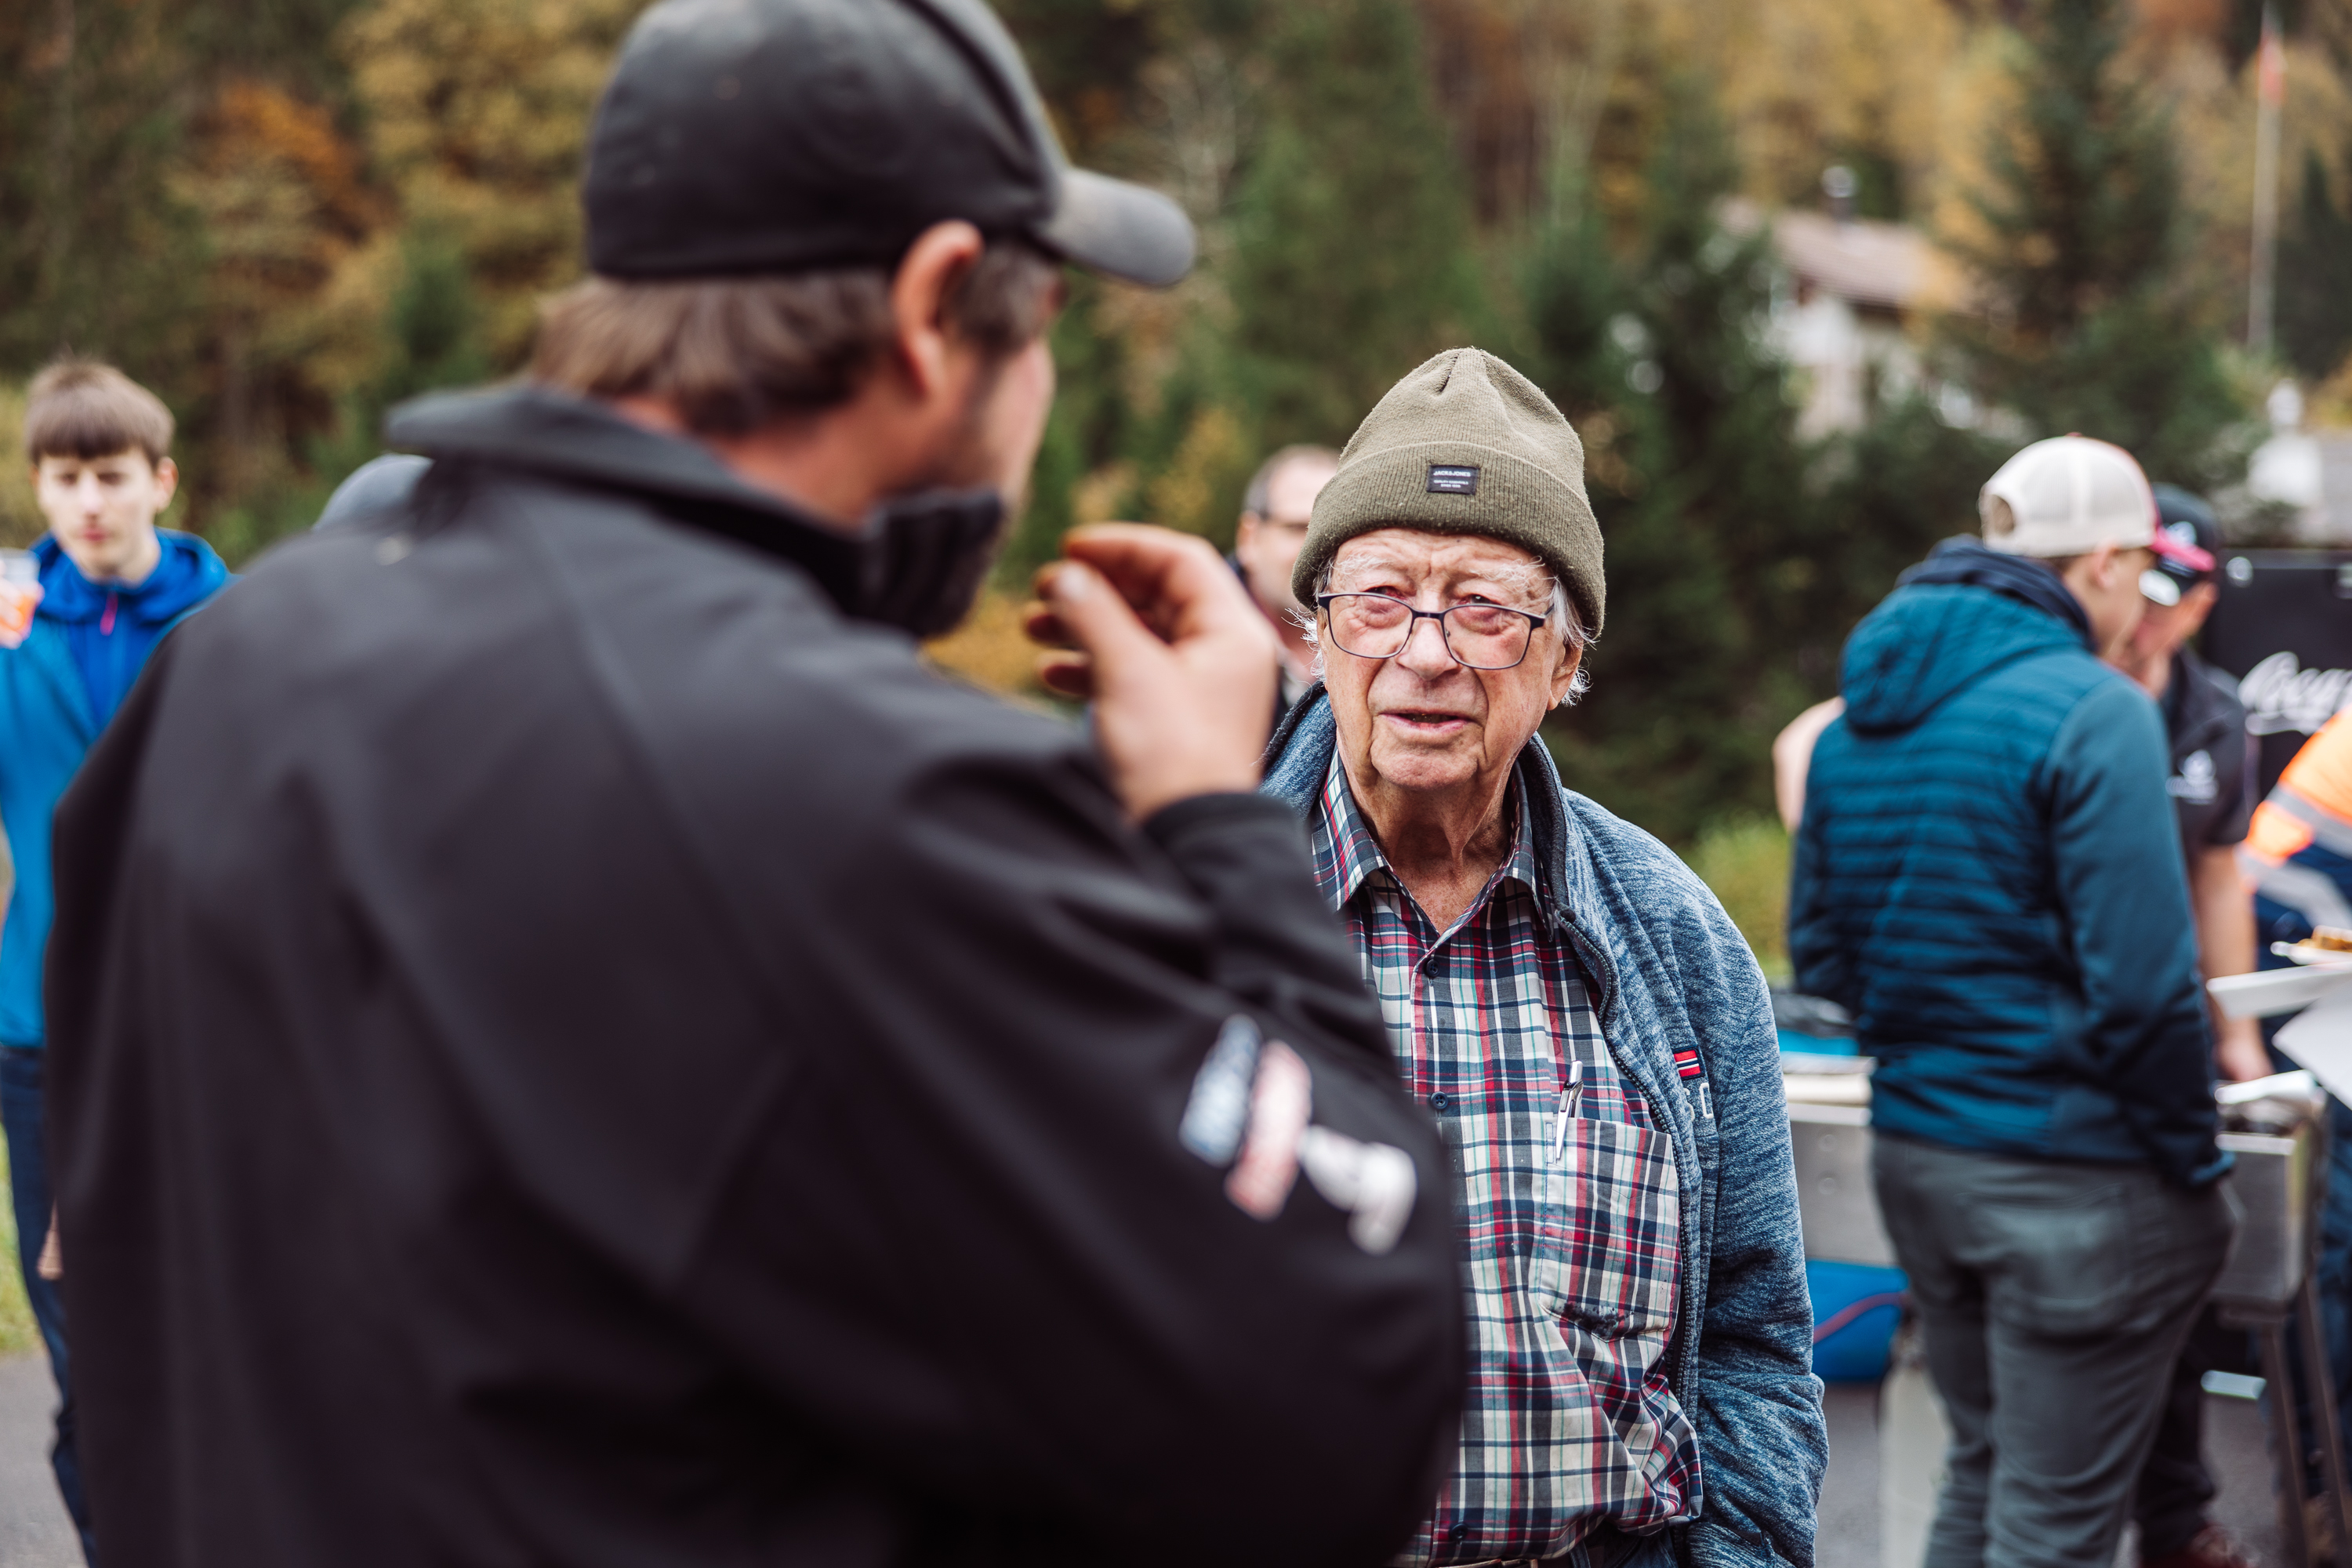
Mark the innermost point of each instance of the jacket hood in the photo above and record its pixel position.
(571, 437)
(1955, 618)
(188, 575)
(915, 562)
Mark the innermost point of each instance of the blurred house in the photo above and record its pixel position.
(1851, 293)
(2303, 472)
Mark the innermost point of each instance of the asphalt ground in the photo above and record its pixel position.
(2236, 1452)
(35, 1532)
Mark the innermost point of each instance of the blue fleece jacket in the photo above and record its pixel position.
(57, 689)
(1988, 876)
(1673, 982)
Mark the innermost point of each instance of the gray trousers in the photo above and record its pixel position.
(2053, 1298)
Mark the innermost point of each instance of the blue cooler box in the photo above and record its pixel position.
(1855, 1308)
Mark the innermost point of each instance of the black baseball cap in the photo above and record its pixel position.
(2187, 546)
(746, 137)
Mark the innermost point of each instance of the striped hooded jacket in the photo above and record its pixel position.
(1989, 878)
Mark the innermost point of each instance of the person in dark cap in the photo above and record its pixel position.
(1570, 1002)
(2211, 782)
(605, 1058)
(2212, 786)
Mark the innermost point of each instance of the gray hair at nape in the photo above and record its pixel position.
(1562, 614)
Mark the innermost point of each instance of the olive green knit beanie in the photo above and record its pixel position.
(1464, 445)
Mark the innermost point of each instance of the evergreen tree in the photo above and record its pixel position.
(433, 341)
(2314, 279)
(2083, 226)
(1354, 241)
(1698, 478)
(1739, 556)
(1348, 255)
(1087, 431)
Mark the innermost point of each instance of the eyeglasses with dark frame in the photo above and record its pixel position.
(1380, 626)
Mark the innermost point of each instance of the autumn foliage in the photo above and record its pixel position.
(288, 214)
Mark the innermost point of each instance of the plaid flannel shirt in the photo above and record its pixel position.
(1568, 1198)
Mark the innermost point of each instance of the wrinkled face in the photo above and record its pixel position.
(1267, 547)
(1421, 721)
(102, 510)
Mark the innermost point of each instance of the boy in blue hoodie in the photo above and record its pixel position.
(1989, 878)
(111, 584)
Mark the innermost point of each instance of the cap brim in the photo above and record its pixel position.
(1125, 231)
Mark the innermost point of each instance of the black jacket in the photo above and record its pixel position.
(568, 1050)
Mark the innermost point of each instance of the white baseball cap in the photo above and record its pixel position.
(2067, 496)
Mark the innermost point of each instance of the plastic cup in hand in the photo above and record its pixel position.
(20, 590)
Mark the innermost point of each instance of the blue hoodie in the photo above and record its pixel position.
(57, 689)
(1989, 878)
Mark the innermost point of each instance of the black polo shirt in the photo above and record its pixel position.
(2212, 780)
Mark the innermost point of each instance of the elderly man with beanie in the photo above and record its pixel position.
(1570, 1002)
(1989, 878)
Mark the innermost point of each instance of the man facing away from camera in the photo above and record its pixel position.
(2210, 786)
(576, 1047)
(1566, 999)
(1989, 878)
(109, 584)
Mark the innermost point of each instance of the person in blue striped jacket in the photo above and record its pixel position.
(1989, 878)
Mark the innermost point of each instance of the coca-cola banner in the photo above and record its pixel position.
(2284, 626)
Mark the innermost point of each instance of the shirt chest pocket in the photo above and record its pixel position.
(1608, 1234)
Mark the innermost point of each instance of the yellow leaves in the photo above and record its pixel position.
(2214, 113)
(1979, 94)
(478, 117)
(2328, 405)
(1200, 489)
(20, 520)
(280, 193)
(1802, 80)
(990, 649)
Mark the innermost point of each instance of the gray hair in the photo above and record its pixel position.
(1562, 614)
(1258, 497)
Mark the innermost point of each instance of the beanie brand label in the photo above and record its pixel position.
(1454, 478)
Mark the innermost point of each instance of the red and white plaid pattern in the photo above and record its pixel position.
(1567, 1197)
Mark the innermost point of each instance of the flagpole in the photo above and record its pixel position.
(2269, 91)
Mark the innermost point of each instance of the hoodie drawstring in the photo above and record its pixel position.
(106, 622)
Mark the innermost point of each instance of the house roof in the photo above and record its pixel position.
(1890, 265)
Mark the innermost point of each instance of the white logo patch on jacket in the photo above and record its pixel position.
(1250, 1107)
(2196, 783)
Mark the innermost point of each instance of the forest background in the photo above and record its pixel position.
(286, 216)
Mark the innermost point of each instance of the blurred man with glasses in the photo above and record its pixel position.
(1569, 1002)
(1274, 512)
